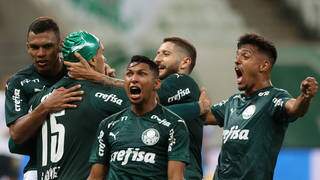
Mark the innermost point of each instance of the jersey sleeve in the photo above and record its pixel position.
(26, 148)
(100, 149)
(187, 111)
(278, 110)
(218, 110)
(178, 143)
(16, 103)
(178, 88)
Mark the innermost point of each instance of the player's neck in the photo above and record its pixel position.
(256, 87)
(144, 107)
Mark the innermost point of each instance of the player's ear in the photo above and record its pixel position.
(185, 63)
(157, 84)
(265, 66)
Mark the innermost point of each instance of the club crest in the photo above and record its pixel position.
(150, 136)
(248, 112)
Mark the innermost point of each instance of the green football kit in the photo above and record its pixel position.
(181, 88)
(20, 88)
(65, 139)
(253, 131)
(139, 147)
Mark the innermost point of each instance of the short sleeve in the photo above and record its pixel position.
(16, 103)
(278, 110)
(187, 111)
(178, 88)
(218, 110)
(178, 147)
(100, 148)
(26, 148)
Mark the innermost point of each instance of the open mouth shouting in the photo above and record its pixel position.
(239, 75)
(135, 92)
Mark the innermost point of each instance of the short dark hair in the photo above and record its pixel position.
(263, 45)
(143, 59)
(187, 46)
(43, 24)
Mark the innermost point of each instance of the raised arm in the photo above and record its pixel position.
(26, 126)
(205, 101)
(299, 106)
(82, 70)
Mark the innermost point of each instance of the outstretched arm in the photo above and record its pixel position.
(26, 126)
(82, 70)
(299, 106)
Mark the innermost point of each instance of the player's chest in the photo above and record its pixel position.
(244, 113)
(34, 85)
(137, 133)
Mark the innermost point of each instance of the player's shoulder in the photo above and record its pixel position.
(179, 77)
(278, 90)
(167, 113)
(22, 74)
(115, 118)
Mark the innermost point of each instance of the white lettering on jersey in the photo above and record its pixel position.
(123, 118)
(26, 81)
(109, 97)
(232, 110)
(277, 102)
(17, 100)
(265, 93)
(102, 145)
(248, 112)
(239, 97)
(177, 75)
(51, 173)
(180, 93)
(220, 103)
(161, 121)
(172, 140)
(132, 154)
(235, 133)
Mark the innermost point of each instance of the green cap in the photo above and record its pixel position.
(82, 42)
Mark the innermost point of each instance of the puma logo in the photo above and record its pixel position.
(114, 135)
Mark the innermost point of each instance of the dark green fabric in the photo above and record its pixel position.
(65, 139)
(253, 131)
(180, 88)
(139, 147)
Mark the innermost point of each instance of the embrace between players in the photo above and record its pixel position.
(76, 120)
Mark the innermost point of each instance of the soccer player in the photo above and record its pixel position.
(255, 121)
(65, 139)
(176, 59)
(43, 40)
(144, 141)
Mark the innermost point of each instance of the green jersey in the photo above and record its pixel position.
(20, 88)
(139, 147)
(180, 88)
(253, 131)
(65, 139)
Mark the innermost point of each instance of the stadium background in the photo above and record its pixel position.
(129, 27)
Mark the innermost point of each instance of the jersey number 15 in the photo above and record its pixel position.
(54, 133)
